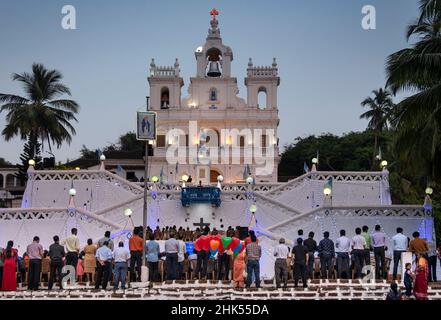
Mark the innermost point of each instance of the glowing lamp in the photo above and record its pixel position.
(250, 180)
(72, 192)
(184, 178)
(253, 208)
(128, 212)
(327, 191)
(102, 157)
(155, 179)
(314, 160)
(31, 162)
(220, 178)
(383, 164)
(429, 191)
(77, 168)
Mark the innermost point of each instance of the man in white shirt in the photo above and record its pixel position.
(343, 248)
(120, 256)
(379, 245)
(181, 255)
(358, 247)
(401, 243)
(281, 252)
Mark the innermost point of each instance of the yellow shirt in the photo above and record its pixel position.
(72, 244)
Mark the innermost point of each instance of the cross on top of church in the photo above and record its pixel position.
(214, 13)
(201, 224)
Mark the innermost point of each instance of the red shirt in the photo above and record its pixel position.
(205, 243)
(135, 243)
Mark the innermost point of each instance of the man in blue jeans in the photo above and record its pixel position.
(104, 258)
(121, 256)
(343, 248)
(171, 258)
(253, 253)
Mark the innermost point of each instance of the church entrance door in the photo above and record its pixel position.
(213, 175)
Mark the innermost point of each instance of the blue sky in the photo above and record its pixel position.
(327, 63)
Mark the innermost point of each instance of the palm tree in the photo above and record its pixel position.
(417, 69)
(41, 113)
(380, 108)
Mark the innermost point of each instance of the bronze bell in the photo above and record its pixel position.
(213, 70)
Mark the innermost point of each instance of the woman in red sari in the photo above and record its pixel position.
(421, 284)
(9, 257)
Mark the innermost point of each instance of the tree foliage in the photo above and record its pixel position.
(42, 112)
(31, 151)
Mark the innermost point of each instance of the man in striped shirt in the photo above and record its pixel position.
(253, 253)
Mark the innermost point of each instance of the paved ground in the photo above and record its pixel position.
(222, 290)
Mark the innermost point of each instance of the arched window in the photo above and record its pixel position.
(262, 98)
(165, 98)
(1, 181)
(213, 94)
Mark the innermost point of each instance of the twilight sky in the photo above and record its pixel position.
(327, 63)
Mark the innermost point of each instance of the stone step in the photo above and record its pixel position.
(214, 290)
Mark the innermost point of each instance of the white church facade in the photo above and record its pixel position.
(233, 137)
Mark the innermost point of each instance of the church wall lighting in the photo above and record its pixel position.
(155, 179)
(327, 191)
(72, 192)
(128, 212)
(429, 191)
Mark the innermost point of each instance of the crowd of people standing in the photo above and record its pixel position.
(100, 262)
(348, 258)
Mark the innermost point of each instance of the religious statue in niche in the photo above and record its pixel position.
(213, 94)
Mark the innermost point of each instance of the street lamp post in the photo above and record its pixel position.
(145, 212)
(145, 131)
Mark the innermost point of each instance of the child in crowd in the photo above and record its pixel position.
(408, 279)
(394, 293)
(80, 267)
